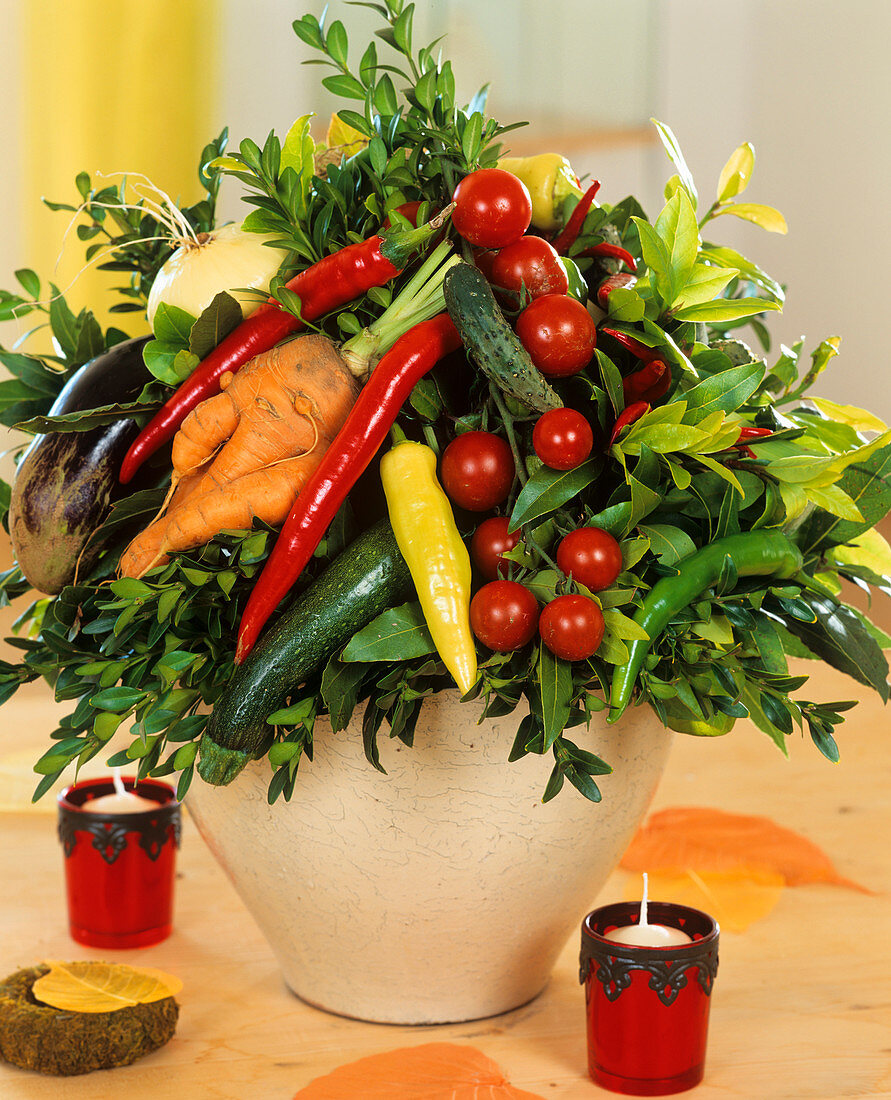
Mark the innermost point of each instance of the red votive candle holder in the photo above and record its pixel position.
(647, 1008)
(119, 867)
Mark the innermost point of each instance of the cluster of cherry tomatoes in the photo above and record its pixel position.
(477, 472)
(493, 212)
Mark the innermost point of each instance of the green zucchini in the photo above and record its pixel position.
(367, 578)
(490, 341)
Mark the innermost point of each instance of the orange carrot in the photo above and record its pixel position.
(249, 450)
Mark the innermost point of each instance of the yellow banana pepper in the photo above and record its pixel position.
(426, 534)
(549, 178)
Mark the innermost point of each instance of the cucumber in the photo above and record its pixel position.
(367, 578)
(490, 341)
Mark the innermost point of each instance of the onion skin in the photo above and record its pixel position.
(224, 259)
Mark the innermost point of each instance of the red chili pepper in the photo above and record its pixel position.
(365, 428)
(622, 281)
(750, 435)
(566, 238)
(628, 416)
(327, 285)
(613, 251)
(637, 349)
(647, 384)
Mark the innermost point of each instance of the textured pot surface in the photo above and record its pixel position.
(443, 890)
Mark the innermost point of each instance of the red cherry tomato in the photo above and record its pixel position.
(477, 470)
(592, 556)
(531, 263)
(559, 334)
(562, 439)
(493, 208)
(571, 627)
(490, 540)
(504, 615)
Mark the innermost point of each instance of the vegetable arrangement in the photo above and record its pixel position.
(523, 452)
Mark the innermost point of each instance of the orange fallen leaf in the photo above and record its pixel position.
(702, 839)
(431, 1071)
(735, 899)
(697, 840)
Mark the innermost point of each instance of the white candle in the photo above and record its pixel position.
(121, 802)
(644, 934)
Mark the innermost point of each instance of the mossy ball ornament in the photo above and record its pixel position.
(63, 1043)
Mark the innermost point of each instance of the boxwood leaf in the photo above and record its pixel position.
(172, 325)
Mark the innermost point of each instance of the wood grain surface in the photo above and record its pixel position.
(801, 1006)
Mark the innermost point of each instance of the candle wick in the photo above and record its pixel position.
(118, 782)
(644, 902)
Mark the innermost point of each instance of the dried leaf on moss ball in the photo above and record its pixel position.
(102, 987)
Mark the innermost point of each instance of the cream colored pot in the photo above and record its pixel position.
(443, 890)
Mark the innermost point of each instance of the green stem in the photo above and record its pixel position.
(710, 213)
(419, 300)
(543, 554)
(508, 422)
(432, 441)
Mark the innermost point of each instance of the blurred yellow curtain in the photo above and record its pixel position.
(111, 86)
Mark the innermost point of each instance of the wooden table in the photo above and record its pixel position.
(802, 1004)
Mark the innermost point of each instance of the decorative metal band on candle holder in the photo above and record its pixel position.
(109, 831)
(667, 966)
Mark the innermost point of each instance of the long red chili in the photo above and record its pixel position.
(637, 349)
(650, 383)
(365, 428)
(628, 416)
(327, 285)
(566, 238)
(613, 251)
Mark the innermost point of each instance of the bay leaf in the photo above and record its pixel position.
(397, 634)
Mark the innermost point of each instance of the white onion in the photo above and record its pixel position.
(225, 259)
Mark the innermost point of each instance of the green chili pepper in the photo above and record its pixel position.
(757, 553)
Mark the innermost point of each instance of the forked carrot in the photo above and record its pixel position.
(248, 451)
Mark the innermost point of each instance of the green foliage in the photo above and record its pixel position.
(154, 654)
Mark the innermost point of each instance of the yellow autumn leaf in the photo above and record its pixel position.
(833, 499)
(102, 987)
(868, 549)
(768, 217)
(736, 173)
(858, 419)
(344, 137)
